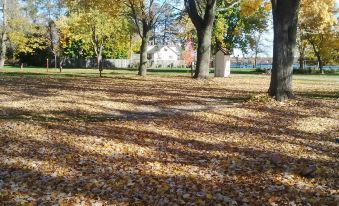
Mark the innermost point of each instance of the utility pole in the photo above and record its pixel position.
(4, 34)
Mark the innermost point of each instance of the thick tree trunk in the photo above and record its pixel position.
(203, 53)
(204, 25)
(285, 19)
(143, 55)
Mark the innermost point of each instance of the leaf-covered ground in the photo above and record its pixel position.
(167, 141)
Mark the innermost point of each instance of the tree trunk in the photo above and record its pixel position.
(317, 54)
(203, 53)
(301, 49)
(47, 64)
(60, 64)
(99, 67)
(55, 61)
(204, 25)
(143, 55)
(301, 63)
(320, 63)
(130, 46)
(3, 50)
(285, 19)
(4, 35)
(255, 60)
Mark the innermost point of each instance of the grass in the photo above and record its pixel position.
(52, 72)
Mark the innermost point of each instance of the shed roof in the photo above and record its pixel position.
(225, 51)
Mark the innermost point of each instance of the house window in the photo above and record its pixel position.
(170, 56)
(165, 49)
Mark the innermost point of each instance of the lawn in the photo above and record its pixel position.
(76, 139)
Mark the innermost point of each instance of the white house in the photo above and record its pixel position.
(163, 53)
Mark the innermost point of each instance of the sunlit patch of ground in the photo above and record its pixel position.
(166, 141)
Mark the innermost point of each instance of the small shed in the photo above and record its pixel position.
(222, 63)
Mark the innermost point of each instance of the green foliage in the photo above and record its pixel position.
(235, 26)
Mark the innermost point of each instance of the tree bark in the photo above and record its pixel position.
(317, 54)
(55, 61)
(285, 19)
(4, 35)
(203, 53)
(60, 64)
(320, 63)
(255, 60)
(143, 53)
(3, 50)
(204, 26)
(301, 63)
(301, 49)
(99, 64)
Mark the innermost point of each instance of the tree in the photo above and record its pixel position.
(302, 48)
(256, 45)
(316, 23)
(254, 21)
(285, 20)
(53, 38)
(53, 10)
(202, 15)
(145, 14)
(44, 13)
(9, 12)
(187, 54)
(26, 37)
(92, 27)
(226, 29)
(20, 35)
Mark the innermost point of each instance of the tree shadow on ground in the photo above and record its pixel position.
(124, 178)
(157, 159)
(319, 95)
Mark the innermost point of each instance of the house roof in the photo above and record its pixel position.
(158, 47)
(153, 50)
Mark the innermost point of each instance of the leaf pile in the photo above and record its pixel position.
(166, 141)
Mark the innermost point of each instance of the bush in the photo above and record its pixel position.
(264, 70)
(314, 71)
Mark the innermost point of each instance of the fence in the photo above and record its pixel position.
(91, 63)
(121, 63)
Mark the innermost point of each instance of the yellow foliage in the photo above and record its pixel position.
(317, 15)
(316, 23)
(249, 7)
(26, 37)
